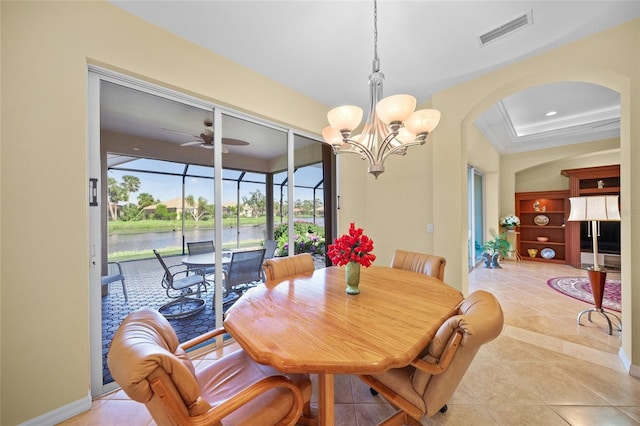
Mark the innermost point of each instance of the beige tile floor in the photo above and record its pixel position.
(543, 370)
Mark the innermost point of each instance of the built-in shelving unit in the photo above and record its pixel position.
(603, 180)
(542, 215)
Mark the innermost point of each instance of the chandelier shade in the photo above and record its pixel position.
(396, 108)
(422, 121)
(392, 125)
(345, 118)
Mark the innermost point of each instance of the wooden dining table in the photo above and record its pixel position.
(306, 323)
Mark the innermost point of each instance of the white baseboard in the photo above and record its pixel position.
(62, 413)
(633, 370)
(625, 360)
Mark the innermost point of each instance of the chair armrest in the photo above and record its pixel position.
(185, 270)
(177, 266)
(215, 415)
(258, 388)
(203, 338)
(445, 358)
(117, 265)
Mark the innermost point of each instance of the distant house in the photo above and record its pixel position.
(173, 206)
(230, 208)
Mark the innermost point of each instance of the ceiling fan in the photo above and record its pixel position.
(205, 139)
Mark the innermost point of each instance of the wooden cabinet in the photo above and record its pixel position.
(542, 216)
(602, 180)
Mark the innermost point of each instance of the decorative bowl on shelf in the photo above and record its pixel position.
(541, 220)
(542, 239)
(548, 253)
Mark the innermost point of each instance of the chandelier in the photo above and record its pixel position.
(392, 125)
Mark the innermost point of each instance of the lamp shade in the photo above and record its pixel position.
(423, 121)
(346, 117)
(332, 136)
(599, 208)
(396, 108)
(404, 136)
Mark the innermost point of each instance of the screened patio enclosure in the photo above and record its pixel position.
(158, 175)
(184, 212)
(173, 169)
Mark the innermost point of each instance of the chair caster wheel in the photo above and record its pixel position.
(373, 391)
(444, 408)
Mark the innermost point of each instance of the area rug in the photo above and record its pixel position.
(580, 288)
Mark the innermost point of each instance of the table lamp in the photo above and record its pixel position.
(595, 209)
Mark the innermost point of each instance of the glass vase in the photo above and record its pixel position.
(352, 273)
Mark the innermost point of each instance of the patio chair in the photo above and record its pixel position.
(244, 271)
(114, 274)
(270, 249)
(424, 386)
(427, 264)
(147, 361)
(279, 267)
(200, 247)
(180, 281)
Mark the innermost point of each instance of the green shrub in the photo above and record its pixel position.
(309, 238)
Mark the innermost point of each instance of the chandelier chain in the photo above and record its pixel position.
(376, 60)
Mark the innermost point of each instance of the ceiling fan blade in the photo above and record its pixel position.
(225, 150)
(182, 133)
(234, 142)
(191, 143)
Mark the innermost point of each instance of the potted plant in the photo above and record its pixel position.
(494, 248)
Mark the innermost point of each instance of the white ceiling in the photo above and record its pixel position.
(324, 50)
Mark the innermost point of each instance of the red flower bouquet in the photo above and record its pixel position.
(352, 247)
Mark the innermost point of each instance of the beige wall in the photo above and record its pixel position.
(43, 280)
(548, 177)
(610, 59)
(395, 209)
(616, 66)
(540, 170)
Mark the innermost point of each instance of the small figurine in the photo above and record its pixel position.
(487, 260)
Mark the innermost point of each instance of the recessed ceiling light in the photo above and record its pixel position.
(550, 113)
(138, 149)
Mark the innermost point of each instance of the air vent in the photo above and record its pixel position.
(507, 28)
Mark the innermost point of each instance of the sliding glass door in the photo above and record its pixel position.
(475, 185)
(170, 170)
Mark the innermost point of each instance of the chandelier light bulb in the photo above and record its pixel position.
(396, 108)
(345, 118)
